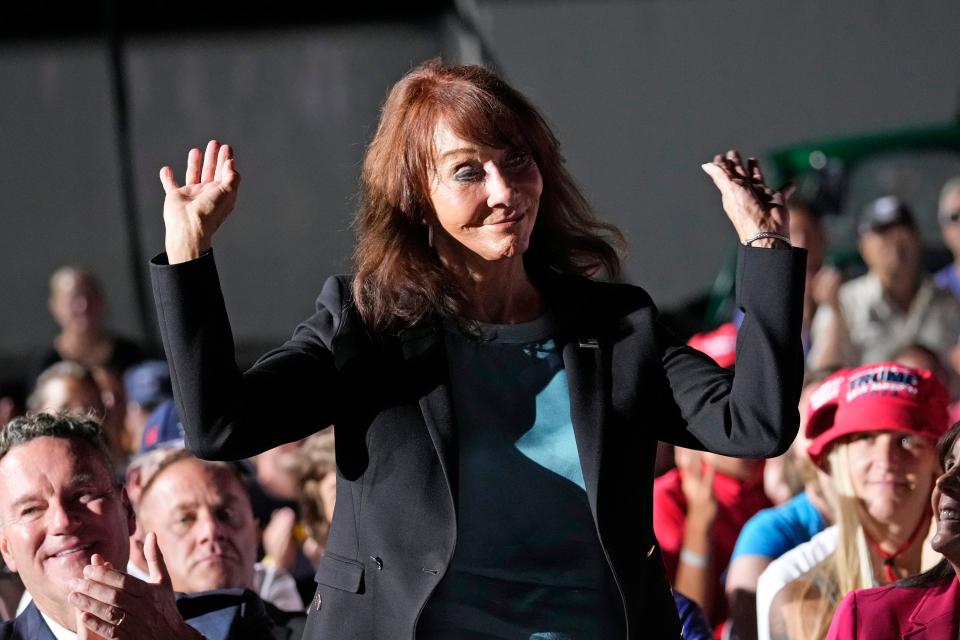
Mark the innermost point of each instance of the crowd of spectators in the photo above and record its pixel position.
(255, 527)
(842, 523)
(770, 549)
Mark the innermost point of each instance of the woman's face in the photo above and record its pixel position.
(892, 475)
(485, 200)
(946, 507)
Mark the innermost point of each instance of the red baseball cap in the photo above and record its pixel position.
(878, 397)
(822, 404)
(720, 344)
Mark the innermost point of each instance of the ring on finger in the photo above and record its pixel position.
(123, 616)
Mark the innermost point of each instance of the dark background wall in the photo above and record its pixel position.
(641, 93)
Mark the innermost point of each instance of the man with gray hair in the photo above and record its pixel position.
(64, 527)
(201, 513)
(66, 386)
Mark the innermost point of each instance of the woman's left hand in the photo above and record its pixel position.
(751, 205)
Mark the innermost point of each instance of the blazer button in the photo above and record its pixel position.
(317, 602)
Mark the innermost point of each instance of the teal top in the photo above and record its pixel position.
(528, 563)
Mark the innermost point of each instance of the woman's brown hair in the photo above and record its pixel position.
(399, 278)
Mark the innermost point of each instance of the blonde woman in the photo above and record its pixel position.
(923, 607)
(877, 442)
(316, 473)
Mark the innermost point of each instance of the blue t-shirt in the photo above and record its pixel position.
(774, 531)
(528, 564)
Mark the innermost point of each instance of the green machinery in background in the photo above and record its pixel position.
(839, 175)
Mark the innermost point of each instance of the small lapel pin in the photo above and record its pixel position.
(589, 343)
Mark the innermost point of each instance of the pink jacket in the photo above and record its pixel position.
(899, 612)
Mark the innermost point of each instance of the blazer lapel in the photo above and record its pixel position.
(425, 356)
(583, 362)
(584, 351)
(935, 616)
(30, 625)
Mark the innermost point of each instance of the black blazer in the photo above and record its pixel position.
(631, 384)
(226, 614)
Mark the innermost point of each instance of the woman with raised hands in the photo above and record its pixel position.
(497, 404)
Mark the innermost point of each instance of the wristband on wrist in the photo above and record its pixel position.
(693, 559)
(767, 234)
(270, 561)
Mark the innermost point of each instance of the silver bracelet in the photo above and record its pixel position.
(767, 234)
(693, 559)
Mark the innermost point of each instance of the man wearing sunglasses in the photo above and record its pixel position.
(873, 317)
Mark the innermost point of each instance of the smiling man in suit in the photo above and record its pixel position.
(64, 526)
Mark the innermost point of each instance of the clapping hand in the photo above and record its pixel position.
(193, 212)
(278, 542)
(826, 287)
(113, 604)
(751, 205)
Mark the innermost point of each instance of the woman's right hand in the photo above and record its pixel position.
(193, 212)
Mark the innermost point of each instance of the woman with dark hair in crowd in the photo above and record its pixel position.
(497, 408)
(923, 607)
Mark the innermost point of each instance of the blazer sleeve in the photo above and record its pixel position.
(844, 625)
(751, 412)
(227, 414)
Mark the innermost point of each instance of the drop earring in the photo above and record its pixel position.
(429, 227)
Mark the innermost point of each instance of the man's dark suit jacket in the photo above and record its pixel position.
(631, 384)
(228, 614)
